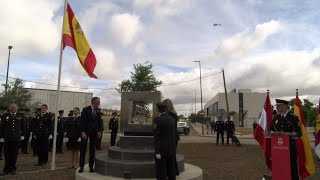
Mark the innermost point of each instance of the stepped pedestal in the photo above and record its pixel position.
(133, 158)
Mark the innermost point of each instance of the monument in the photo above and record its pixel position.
(133, 157)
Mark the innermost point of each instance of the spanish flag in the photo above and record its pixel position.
(305, 159)
(74, 37)
(317, 131)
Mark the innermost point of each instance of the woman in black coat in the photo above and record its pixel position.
(172, 112)
(74, 137)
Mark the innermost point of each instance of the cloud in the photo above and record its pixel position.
(163, 8)
(240, 44)
(106, 67)
(124, 28)
(30, 28)
(140, 48)
(91, 17)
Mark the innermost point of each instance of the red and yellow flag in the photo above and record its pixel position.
(305, 159)
(74, 37)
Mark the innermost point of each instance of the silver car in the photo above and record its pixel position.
(183, 128)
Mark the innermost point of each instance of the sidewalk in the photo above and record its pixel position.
(198, 129)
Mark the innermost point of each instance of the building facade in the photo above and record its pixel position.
(68, 99)
(244, 104)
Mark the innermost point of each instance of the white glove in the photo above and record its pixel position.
(50, 136)
(2, 140)
(79, 140)
(67, 139)
(34, 137)
(158, 156)
(21, 138)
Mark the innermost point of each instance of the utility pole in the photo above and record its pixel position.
(201, 97)
(6, 88)
(225, 91)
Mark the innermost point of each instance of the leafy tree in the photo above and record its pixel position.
(309, 110)
(16, 94)
(142, 79)
(193, 117)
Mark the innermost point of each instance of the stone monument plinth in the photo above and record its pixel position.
(133, 157)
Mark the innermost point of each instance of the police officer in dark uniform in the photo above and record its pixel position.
(285, 121)
(24, 143)
(2, 112)
(34, 141)
(164, 144)
(114, 126)
(220, 127)
(60, 131)
(12, 131)
(230, 129)
(43, 132)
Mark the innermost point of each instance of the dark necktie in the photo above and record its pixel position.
(13, 115)
(94, 112)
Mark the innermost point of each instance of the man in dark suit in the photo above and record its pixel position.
(114, 126)
(43, 131)
(285, 121)
(12, 131)
(91, 128)
(165, 144)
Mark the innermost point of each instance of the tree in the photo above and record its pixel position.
(16, 94)
(142, 79)
(309, 109)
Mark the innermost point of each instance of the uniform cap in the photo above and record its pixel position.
(61, 111)
(281, 101)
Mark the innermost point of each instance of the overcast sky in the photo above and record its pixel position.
(260, 44)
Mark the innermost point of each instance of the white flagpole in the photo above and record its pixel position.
(53, 163)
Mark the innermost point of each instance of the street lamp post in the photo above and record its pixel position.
(9, 47)
(200, 93)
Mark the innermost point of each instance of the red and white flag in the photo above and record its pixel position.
(263, 128)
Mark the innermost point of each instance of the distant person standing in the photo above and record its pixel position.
(114, 126)
(165, 144)
(2, 112)
(229, 125)
(34, 142)
(254, 125)
(208, 127)
(91, 128)
(220, 127)
(12, 131)
(74, 137)
(60, 132)
(43, 133)
(28, 125)
(212, 125)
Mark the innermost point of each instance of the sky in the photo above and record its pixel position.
(261, 45)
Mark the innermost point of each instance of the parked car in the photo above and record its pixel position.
(183, 128)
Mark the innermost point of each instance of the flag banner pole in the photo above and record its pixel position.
(53, 162)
